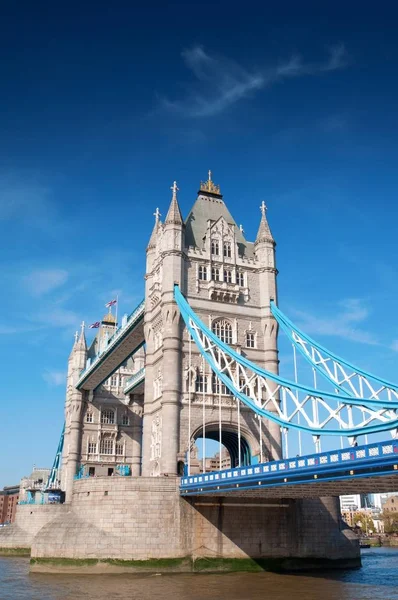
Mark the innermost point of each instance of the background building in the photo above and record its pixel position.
(9, 497)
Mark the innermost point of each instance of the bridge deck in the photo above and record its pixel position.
(135, 383)
(127, 340)
(371, 468)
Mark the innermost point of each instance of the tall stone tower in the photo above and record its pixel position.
(229, 282)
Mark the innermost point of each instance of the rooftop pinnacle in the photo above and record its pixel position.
(174, 214)
(264, 233)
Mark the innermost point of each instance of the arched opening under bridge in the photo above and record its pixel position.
(235, 449)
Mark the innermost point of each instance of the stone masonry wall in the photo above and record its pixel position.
(145, 518)
(30, 518)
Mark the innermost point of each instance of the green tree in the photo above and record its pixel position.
(364, 521)
(390, 520)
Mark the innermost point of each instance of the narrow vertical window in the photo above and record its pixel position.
(215, 249)
(228, 276)
(250, 339)
(227, 249)
(202, 272)
(215, 274)
(240, 279)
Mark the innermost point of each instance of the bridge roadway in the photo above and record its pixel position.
(363, 469)
(135, 383)
(125, 342)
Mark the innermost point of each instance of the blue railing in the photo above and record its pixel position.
(131, 319)
(289, 471)
(134, 380)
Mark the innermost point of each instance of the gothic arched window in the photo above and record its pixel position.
(223, 330)
(215, 248)
(227, 276)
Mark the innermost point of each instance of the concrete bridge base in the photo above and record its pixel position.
(143, 524)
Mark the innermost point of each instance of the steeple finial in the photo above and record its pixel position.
(82, 337)
(264, 233)
(209, 186)
(241, 229)
(157, 215)
(174, 213)
(76, 336)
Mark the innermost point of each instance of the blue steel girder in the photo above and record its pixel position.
(123, 344)
(369, 468)
(277, 399)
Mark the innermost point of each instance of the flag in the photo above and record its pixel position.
(111, 303)
(95, 325)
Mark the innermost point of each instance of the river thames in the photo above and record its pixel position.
(376, 580)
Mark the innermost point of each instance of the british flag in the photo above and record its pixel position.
(111, 303)
(95, 325)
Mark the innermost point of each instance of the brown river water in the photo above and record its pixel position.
(376, 580)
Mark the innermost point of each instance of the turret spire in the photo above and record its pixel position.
(82, 338)
(152, 240)
(174, 214)
(264, 233)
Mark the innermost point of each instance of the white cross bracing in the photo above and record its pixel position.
(320, 413)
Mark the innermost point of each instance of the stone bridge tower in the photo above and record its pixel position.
(229, 282)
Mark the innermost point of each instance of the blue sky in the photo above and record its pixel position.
(103, 105)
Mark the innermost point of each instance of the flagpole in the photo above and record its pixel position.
(117, 303)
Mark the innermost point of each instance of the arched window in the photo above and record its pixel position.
(240, 279)
(202, 272)
(215, 248)
(215, 274)
(107, 417)
(223, 330)
(227, 249)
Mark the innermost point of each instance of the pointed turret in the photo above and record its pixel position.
(174, 213)
(155, 231)
(264, 233)
(81, 342)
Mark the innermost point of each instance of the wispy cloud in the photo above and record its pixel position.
(343, 323)
(222, 82)
(394, 345)
(42, 281)
(54, 377)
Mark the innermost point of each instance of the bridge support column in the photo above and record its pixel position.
(136, 403)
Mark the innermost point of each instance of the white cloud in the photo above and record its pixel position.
(54, 377)
(42, 281)
(58, 317)
(222, 82)
(394, 345)
(342, 324)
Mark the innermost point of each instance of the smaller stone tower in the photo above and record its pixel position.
(73, 414)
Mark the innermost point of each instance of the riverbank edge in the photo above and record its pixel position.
(15, 552)
(91, 566)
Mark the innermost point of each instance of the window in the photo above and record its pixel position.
(92, 448)
(114, 379)
(120, 380)
(250, 339)
(228, 276)
(215, 248)
(218, 387)
(157, 386)
(107, 417)
(202, 272)
(227, 249)
(201, 383)
(240, 279)
(125, 420)
(119, 448)
(215, 274)
(106, 446)
(223, 330)
(91, 473)
(89, 417)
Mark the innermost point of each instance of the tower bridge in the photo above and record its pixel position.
(198, 359)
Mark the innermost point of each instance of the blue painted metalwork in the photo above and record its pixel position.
(53, 479)
(289, 327)
(132, 321)
(362, 461)
(189, 316)
(123, 470)
(135, 380)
